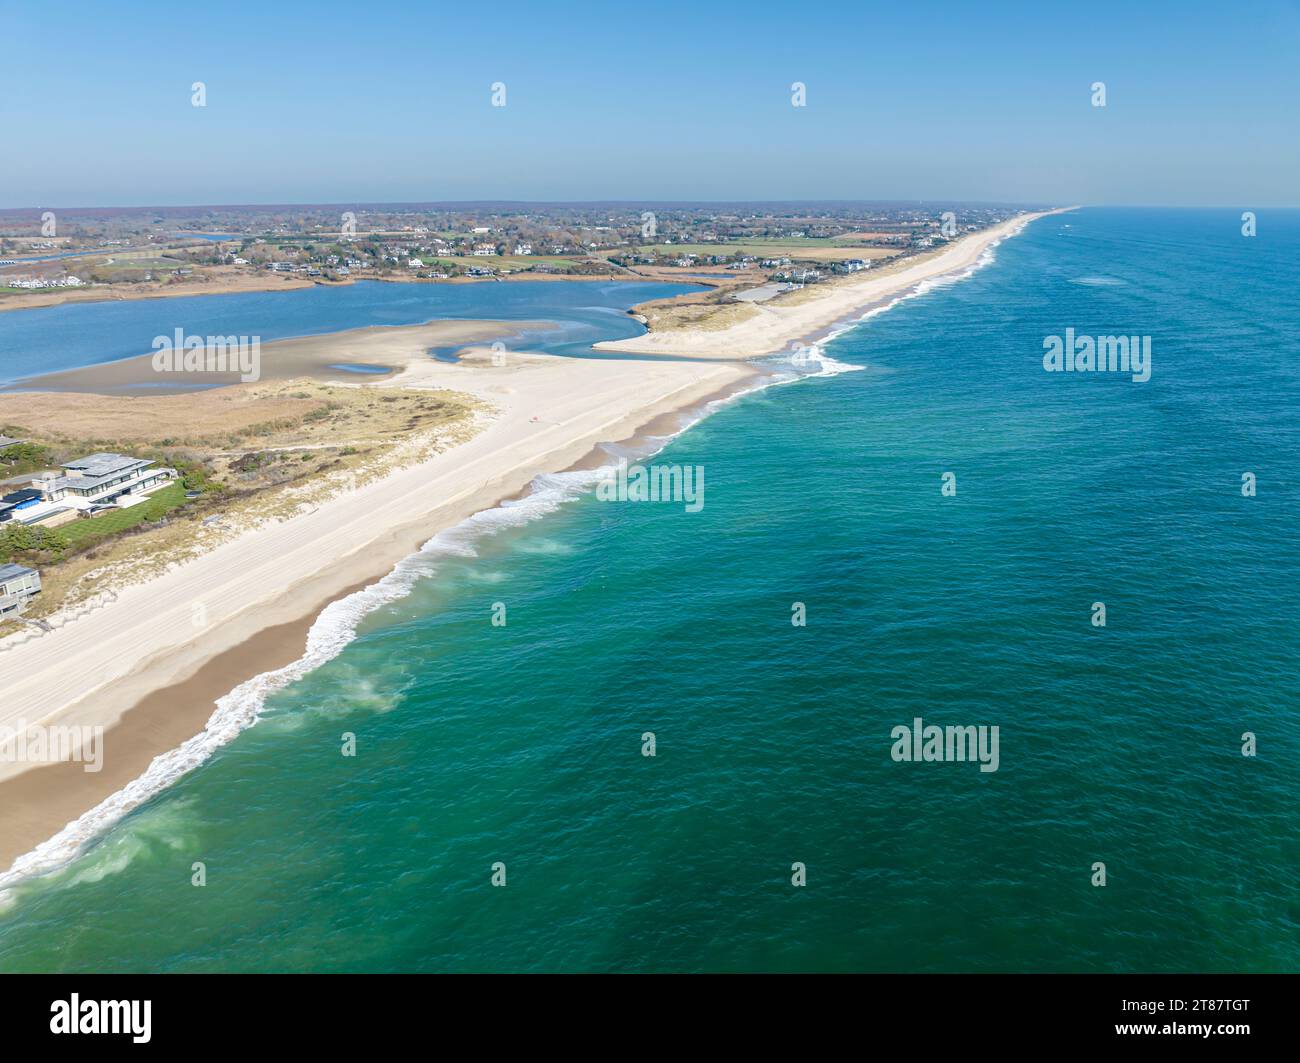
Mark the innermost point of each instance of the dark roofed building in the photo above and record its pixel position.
(24, 499)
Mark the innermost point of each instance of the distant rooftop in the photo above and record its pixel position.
(8, 572)
(7, 441)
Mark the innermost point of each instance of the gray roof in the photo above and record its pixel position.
(8, 572)
(105, 464)
(95, 470)
(9, 441)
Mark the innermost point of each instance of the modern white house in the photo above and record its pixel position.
(18, 586)
(103, 479)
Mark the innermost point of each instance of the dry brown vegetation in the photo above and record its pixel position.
(261, 451)
(712, 309)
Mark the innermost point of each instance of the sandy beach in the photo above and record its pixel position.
(313, 357)
(147, 670)
(149, 666)
(809, 313)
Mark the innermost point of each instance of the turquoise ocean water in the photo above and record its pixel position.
(523, 744)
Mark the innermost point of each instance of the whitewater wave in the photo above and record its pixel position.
(333, 630)
(814, 353)
(338, 623)
(1099, 282)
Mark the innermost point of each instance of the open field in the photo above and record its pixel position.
(859, 238)
(809, 250)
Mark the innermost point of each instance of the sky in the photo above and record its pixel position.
(392, 102)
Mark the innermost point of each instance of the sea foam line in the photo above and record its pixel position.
(944, 280)
(333, 629)
(337, 624)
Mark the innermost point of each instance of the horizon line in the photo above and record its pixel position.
(486, 204)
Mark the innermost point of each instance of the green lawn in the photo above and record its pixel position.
(143, 263)
(84, 532)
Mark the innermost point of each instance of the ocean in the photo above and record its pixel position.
(948, 516)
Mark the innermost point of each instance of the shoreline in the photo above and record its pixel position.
(43, 299)
(148, 668)
(821, 309)
(167, 693)
(384, 347)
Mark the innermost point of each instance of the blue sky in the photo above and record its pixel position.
(333, 102)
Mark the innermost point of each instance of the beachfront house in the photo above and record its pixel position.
(18, 586)
(9, 441)
(98, 479)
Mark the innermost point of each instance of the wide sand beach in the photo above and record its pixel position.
(150, 665)
(808, 314)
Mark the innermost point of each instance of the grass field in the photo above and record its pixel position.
(137, 264)
(81, 533)
(807, 249)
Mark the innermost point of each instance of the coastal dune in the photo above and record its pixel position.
(150, 665)
(126, 666)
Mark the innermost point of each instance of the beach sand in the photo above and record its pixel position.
(807, 314)
(149, 666)
(381, 347)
